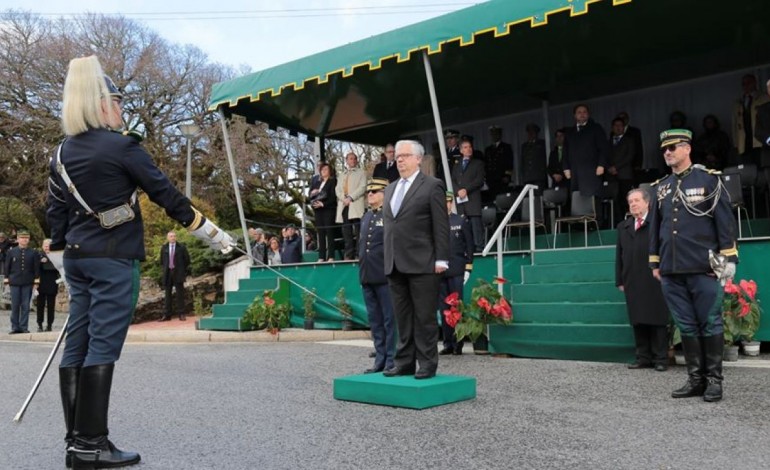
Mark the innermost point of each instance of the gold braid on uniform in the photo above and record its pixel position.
(197, 220)
(713, 196)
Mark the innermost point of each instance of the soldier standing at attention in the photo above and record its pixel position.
(371, 270)
(692, 248)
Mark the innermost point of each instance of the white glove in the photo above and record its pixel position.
(57, 260)
(728, 273)
(466, 276)
(214, 237)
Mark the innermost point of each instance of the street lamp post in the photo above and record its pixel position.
(188, 131)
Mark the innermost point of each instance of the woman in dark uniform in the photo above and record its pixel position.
(97, 239)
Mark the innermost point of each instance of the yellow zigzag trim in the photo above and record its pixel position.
(535, 21)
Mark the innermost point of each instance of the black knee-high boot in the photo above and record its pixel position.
(68, 385)
(696, 380)
(91, 447)
(713, 347)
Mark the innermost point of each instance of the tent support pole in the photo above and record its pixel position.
(235, 183)
(546, 128)
(437, 120)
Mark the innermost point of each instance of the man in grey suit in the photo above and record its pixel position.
(467, 181)
(416, 254)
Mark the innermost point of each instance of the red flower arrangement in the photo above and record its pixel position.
(740, 311)
(487, 306)
(265, 314)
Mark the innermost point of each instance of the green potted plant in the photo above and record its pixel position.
(308, 303)
(344, 307)
(740, 314)
(265, 313)
(487, 306)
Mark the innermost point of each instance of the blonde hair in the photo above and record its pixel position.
(84, 92)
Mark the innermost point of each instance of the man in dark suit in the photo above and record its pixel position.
(647, 310)
(467, 181)
(533, 159)
(498, 165)
(642, 174)
(175, 263)
(555, 169)
(387, 169)
(416, 253)
(621, 169)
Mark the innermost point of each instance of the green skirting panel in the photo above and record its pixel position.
(405, 391)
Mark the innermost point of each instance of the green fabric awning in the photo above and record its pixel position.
(500, 57)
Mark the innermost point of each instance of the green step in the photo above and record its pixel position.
(405, 391)
(258, 284)
(563, 273)
(234, 310)
(242, 296)
(602, 343)
(610, 313)
(582, 255)
(566, 292)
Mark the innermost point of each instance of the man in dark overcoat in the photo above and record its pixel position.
(647, 310)
(467, 180)
(586, 151)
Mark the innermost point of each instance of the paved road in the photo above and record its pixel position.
(270, 406)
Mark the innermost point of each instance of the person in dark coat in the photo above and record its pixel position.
(498, 165)
(416, 243)
(586, 153)
(621, 169)
(323, 200)
(47, 289)
(22, 268)
(467, 181)
(291, 245)
(175, 267)
(533, 159)
(387, 169)
(5, 245)
(712, 148)
(458, 273)
(647, 310)
(371, 272)
(555, 167)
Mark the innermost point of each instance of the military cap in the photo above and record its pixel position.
(675, 136)
(113, 90)
(494, 128)
(377, 184)
(22, 233)
(292, 226)
(450, 196)
(451, 133)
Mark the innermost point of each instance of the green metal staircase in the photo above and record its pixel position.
(229, 316)
(567, 307)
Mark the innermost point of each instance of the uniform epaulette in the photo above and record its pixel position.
(134, 134)
(713, 172)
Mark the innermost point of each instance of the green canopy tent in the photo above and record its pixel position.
(498, 57)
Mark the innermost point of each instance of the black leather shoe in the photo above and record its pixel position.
(458, 352)
(424, 374)
(396, 371)
(660, 367)
(40, 328)
(713, 392)
(48, 328)
(14, 332)
(182, 317)
(374, 370)
(373, 354)
(446, 352)
(165, 319)
(639, 365)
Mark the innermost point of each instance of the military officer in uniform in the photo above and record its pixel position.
(692, 248)
(97, 241)
(22, 267)
(455, 277)
(371, 272)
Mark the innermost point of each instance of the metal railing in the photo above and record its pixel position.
(497, 236)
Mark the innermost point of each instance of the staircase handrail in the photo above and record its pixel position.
(496, 238)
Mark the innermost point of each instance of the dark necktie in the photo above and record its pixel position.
(465, 163)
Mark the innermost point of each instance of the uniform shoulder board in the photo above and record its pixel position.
(713, 172)
(133, 134)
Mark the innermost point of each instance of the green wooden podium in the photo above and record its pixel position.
(405, 391)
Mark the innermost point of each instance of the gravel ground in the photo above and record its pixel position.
(270, 406)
